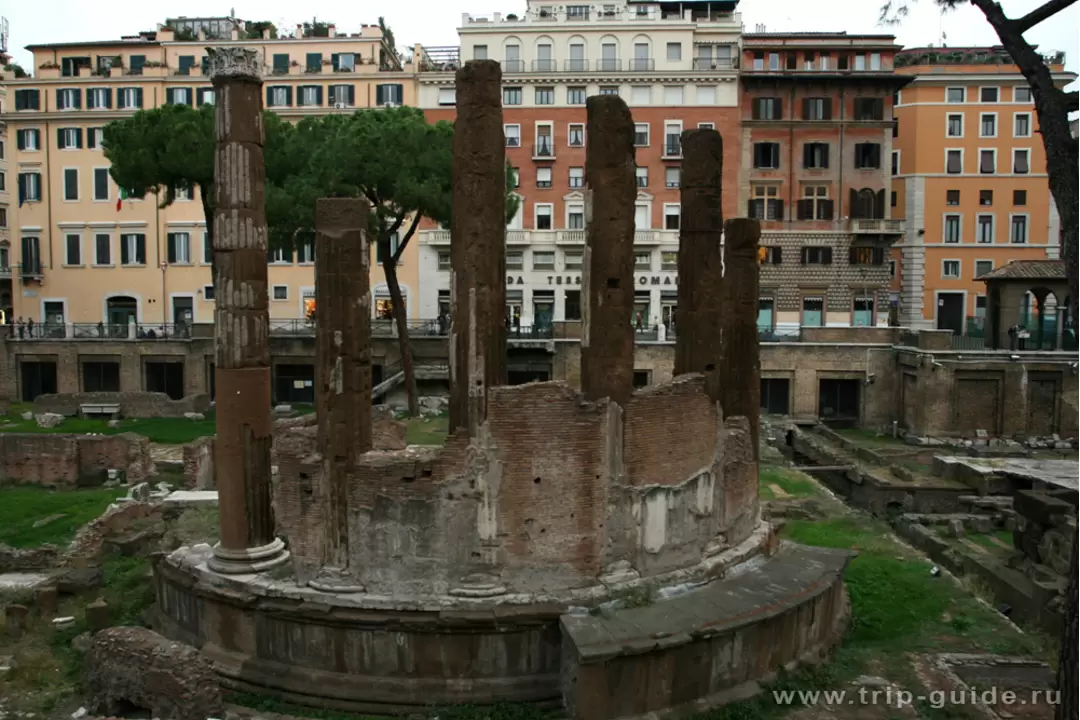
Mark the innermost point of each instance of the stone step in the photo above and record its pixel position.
(710, 645)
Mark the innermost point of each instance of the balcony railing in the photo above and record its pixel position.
(642, 64)
(576, 65)
(715, 64)
(608, 65)
(556, 237)
(892, 226)
(544, 150)
(513, 66)
(673, 147)
(102, 331)
(380, 327)
(544, 65)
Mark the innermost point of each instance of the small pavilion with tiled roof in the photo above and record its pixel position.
(1005, 290)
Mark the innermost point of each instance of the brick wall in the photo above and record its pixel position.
(550, 494)
(132, 404)
(199, 464)
(68, 460)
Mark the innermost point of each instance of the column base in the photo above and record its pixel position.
(335, 580)
(250, 560)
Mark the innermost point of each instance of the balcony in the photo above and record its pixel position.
(513, 66)
(544, 65)
(893, 226)
(576, 65)
(578, 15)
(642, 65)
(5, 272)
(608, 65)
(544, 149)
(555, 237)
(718, 64)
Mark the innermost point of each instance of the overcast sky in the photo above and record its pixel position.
(434, 22)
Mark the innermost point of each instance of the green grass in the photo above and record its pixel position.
(795, 484)
(426, 430)
(171, 431)
(21, 507)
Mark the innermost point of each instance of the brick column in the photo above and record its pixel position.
(740, 371)
(698, 346)
(241, 320)
(478, 245)
(342, 366)
(607, 336)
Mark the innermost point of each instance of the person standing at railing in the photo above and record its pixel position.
(30, 328)
(19, 327)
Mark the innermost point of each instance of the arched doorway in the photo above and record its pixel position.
(121, 311)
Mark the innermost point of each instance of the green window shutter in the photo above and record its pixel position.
(138, 97)
(60, 139)
(380, 95)
(78, 138)
(314, 61)
(334, 61)
(352, 95)
(78, 98)
(318, 95)
(288, 96)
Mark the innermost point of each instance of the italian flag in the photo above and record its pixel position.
(121, 198)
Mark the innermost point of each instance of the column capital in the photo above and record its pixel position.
(233, 62)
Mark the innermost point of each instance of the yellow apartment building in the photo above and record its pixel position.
(969, 177)
(78, 255)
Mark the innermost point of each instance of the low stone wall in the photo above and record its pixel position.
(132, 404)
(72, 460)
(1046, 527)
(199, 464)
(23, 559)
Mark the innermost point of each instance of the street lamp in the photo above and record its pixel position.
(164, 302)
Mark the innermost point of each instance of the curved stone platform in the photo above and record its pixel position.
(385, 655)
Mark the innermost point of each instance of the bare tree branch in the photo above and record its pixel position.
(1036, 16)
(1072, 100)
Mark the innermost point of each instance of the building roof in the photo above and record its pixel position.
(1028, 270)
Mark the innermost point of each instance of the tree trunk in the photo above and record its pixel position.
(397, 307)
(205, 193)
(1068, 707)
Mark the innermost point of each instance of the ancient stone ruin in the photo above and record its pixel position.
(561, 541)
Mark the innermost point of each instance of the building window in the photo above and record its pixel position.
(1022, 125)
(862, 255)
(178, 96)
(1019, 197)
(815, 203)
(817, 108)
(129, 98)
(572, 304)
(1018, 230)
(767, 108)
(892, 199)
(987, 162)
(512, 133)
(817, 255)
(952, 197)
(641, 134)
(862, 312)
(447, 96)
(69, 138)
(952, 229)
(178, 248)
(988, 125)
(984, 229)
(543, 260)
(28, 140)
(575, 217)
(575, 96)
(543, 177)
(813, 308)
(280, 292)
(73, 249)
(986, 197)
(545, 96)
(983, 267)
(867, 156)
(102, 249)
(672, 139)
(643, 261)
(674, 51)
(669, 260)
(672, 176)
(869, 108)
(955, 95)
(511, 96)
(673, 95)
(988, 94)
(950, 268)
(1021, 161)
(68, 99)
(895, 162)
(133, 249)
(671, 217)
(309, 96)
(767, 156)
(305, 251)
(875, 61)
(816, 156)
(543, 216)
(706, 95)
(514, 260)
(29, 187)
(27, 99)
(444, 261)
(609, 89)
(576, 135)
(577, 61)
(954, 125)
(572, 259)
(71, 184)
(1022, 94)
(279, 256)
(642, 175)
(98, 98)
(765, 203)
(545, 146)
(577, 177)
(479, 52)
(954, 162)
(860, 62)
(641, 95)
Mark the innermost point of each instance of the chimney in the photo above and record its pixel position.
(234, 34)
(266, 33)
(331, 31)
(300, 32)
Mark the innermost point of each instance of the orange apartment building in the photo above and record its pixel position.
(817, 122)
(675, 64)
(969, 177)
(74, 259)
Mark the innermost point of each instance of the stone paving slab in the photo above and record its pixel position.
(192, 498)
(21, 580)
(1060, 473)
(788, 579)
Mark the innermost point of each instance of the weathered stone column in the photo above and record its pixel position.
(740, 371)
(342, 366)
(698, 345)
(478, 245)
(241, 320)
(607, 336)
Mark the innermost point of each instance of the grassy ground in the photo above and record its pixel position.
(171, 431)
(57, 514)
(426, 430)
(781, 483)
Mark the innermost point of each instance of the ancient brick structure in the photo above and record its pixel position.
(342, 356)
(701, 269)
(133, 404)
(478, 247)
(69, 460)
(133, 666)
(607, 337)
(740, 386)
(241, 319)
